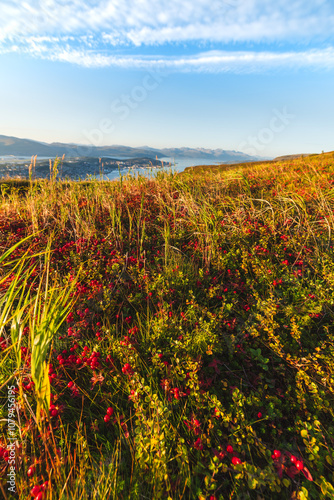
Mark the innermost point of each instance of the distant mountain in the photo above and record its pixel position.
(208, 154)
(23, 147)
(26, 147)
(13, 146)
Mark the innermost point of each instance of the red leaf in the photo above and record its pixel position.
(279, 468)
(292, 471)
(96, 379)
(280, 472)
(307, 474)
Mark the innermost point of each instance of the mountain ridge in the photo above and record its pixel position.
(14, 146)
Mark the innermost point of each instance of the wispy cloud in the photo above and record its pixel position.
(209, 61)
(87, 32)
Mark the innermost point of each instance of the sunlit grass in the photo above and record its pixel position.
(171, 337)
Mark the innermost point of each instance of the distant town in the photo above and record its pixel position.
(75, 168)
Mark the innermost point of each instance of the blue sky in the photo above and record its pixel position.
(250, 75)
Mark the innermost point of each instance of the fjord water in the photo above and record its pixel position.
(176, 165)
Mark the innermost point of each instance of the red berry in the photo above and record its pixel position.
(259, 415)
(229, 449)
(40, 496)
(276, 454)
(110, 411)
(35, 490)
(31, 471)
(299, 465)
(236, 461)
(293, 459)
(106, 418)
(70, 384)
(127, 369)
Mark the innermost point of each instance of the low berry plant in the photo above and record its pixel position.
(170, 337)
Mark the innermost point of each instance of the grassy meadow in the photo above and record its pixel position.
(169, 337)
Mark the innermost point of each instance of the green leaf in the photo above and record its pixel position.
(303, 493)
(252, 483)
(323, 488)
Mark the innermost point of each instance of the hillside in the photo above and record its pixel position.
(171, 337)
